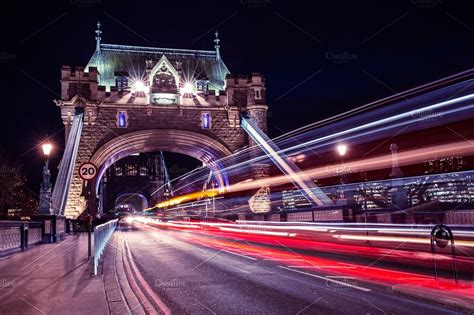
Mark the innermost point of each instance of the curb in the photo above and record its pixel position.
(113, 291)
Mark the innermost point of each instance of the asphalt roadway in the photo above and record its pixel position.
(192, 277)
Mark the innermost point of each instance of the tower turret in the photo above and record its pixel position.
(98, 38)
(217, 46)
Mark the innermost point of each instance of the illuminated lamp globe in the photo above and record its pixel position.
(47, 147)
(188, 88)
(139, 86)
(342, 148)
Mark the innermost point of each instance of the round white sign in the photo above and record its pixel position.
(87, 171)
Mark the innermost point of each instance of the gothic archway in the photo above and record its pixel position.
(198, 146)
(137, 201)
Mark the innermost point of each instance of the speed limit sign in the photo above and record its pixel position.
(87, 171)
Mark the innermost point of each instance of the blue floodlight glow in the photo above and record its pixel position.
(122, 119)
(206, 120)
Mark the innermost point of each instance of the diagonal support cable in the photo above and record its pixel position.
(306, 186)
(66, 168)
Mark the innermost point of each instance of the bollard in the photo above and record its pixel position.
(441, 235)
(24, 236)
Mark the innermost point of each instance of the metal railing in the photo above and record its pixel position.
(10, 237)
(19, 235)
(102, 234)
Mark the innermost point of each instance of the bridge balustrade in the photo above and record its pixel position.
(35, 234)
(10, 237)
(19, 235)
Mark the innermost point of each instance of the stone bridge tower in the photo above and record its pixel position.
(142, 99)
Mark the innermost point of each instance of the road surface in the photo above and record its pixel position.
(195, 274)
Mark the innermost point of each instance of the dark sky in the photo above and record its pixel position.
(319, 58)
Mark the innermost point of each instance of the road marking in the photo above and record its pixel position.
(329, 267)
(284, 259)
(341, 277)
(248, 257)
(328, 279)
(241, 270)
(304, 309)
(375, 306)
(207, 308)
(214, 255)
(139, 278)
(153, 241)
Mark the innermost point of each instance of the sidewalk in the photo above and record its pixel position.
(52, 279)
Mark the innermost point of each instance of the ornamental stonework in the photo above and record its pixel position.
(128, 92)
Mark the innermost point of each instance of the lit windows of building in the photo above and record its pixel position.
(202, 85)
(449, 164)
(131, 170)
(293, 200)
(121, 81)
(143, 170)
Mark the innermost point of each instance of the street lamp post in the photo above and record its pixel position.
(214, 185)
(342, 149)
(46, 187)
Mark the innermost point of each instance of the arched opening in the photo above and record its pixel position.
(198, 146)
(130, 203)
(149, 175)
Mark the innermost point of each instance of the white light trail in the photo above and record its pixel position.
(315, 195)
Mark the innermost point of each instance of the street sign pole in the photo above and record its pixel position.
(89, 223)
(88, 172)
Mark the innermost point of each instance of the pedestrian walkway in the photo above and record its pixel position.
(52, 279)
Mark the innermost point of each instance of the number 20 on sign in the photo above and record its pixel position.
(87, 171)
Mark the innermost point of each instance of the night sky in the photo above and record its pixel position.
(318, 59)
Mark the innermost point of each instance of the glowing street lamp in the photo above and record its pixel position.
(342, 148)
(47, 147)
(214, 185)
(46, 187)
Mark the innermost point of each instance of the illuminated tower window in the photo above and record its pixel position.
(206, 120)
(122, 119)
(258, 94)
(121, 81)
